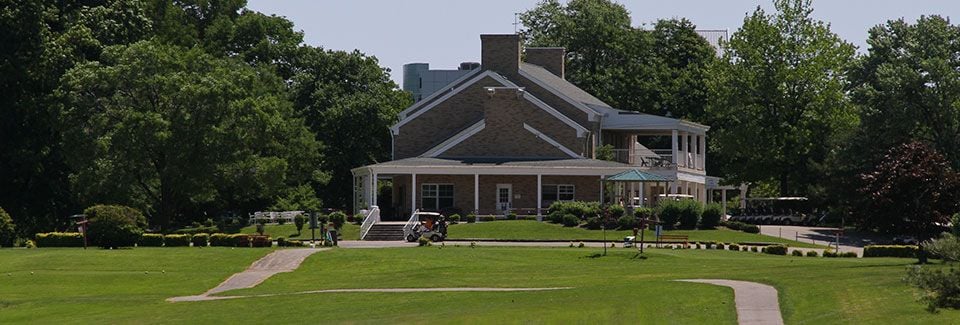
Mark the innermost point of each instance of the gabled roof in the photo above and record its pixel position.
(433, 102)
(563, 89)
(453, 85)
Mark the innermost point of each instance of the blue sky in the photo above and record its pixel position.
(447, 32)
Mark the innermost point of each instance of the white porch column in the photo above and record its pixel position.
(539, 194)
(643, 198)
(476, 194)
(674, 147)
(686, 148)
(703, 152)
(602, 186)
(373, 182)
(674, 186)
(413, 193)
(723, 196)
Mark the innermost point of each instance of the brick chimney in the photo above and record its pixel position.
(550, 58)
(500, 53)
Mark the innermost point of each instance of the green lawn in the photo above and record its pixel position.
(289, 231)
(533, 230)
(110, 286)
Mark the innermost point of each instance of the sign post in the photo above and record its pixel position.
(313, 229)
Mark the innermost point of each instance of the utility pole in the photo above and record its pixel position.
(516, 21)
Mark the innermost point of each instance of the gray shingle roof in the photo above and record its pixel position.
(509, 162)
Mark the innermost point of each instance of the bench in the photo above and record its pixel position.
(675, 238)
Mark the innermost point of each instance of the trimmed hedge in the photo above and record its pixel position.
(570, 220)
(59, 239)
(176, 240)
(745, 227)
(151, 240)
(196, 230)
(260, 241)
(890, 251)
(200, 240)
(711, 217)
(580, 209)
(487, 218)
(775, 250)
(229, 240)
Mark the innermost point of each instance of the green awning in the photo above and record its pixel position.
(634, 175)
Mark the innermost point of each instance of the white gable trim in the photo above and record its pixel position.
(455, 140)
(396, 127)
(581, 131)
(550, 141)
(455, 83)
(592, 115)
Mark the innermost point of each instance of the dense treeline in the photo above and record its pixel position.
(794, 110)
(186, 110)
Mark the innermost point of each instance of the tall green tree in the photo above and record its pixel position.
(780, 107)
(349, 102)
(659, 71)
(166, 129)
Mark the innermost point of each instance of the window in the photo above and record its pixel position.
(436, 196)
(556, 192)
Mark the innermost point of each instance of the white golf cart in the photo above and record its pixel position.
(427, 224)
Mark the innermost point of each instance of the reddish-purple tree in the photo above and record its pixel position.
(911, 190)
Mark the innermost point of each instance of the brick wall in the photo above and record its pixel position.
(550, 58)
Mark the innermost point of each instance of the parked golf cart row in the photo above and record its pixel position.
(790, 211)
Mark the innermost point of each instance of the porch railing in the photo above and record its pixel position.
(663, 158)
(372, 218)
(411, 225)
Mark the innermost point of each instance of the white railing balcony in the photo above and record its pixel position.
(656, 158)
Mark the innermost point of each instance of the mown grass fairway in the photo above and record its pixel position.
(533, 230)
(101, 286)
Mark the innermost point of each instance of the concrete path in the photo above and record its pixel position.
(393, 290)
(757, 303)
(849, 242)
(282, 260)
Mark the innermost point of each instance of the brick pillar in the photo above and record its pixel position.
(550, 58)
(500, 53)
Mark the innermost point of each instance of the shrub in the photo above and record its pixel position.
(697, 246)
(222, 240)
(670, 212)
(533, 218)
(796, 253)
(423, 241)
(571, 221)
(946, 247)
(812, 254)
(712, 214)
(753, 249)
(848, 254)
(512, 216)
(281, 242)
(196, 230)
(734, 247)
(643, 213)
(775, 250)
(719, 246)
(151, 240)
(358, 218)
(690, 212)
(580, 245)
(338, 219)
(264, 241)
(176, 240)
(736, 225)
(471, 218)
(59, 239)
(579, 209)
(557, 217)
(753, 229)
(890, 251)
(455, 218)
(298, 221)
(241, 240)
(830, 253)
(200, 240)
(627, 222)
(941, 288)
(111, 226)
(592, 223)
(614, 211)
(8, 231)
(488, 218)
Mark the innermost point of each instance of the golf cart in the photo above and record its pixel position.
(427, 224)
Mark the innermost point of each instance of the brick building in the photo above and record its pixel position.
(515, 136)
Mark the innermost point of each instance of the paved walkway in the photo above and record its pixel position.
(757, 303)
(849, 242)
(281, 260)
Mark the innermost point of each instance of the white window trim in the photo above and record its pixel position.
(551, 141)
(557, 187)
(396, 127)
(456, 139)
(424, 196)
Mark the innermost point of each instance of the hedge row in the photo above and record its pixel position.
(890, 251)
(151, 240)
(60, 239)
(745, 227)
(176, 240)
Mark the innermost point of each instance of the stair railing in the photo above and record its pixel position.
(372, 218)
(411, 224)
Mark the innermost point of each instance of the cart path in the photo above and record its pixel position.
(370, 290)
(757, 303)
(279, 261)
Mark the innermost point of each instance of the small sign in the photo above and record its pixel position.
(659, 230)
